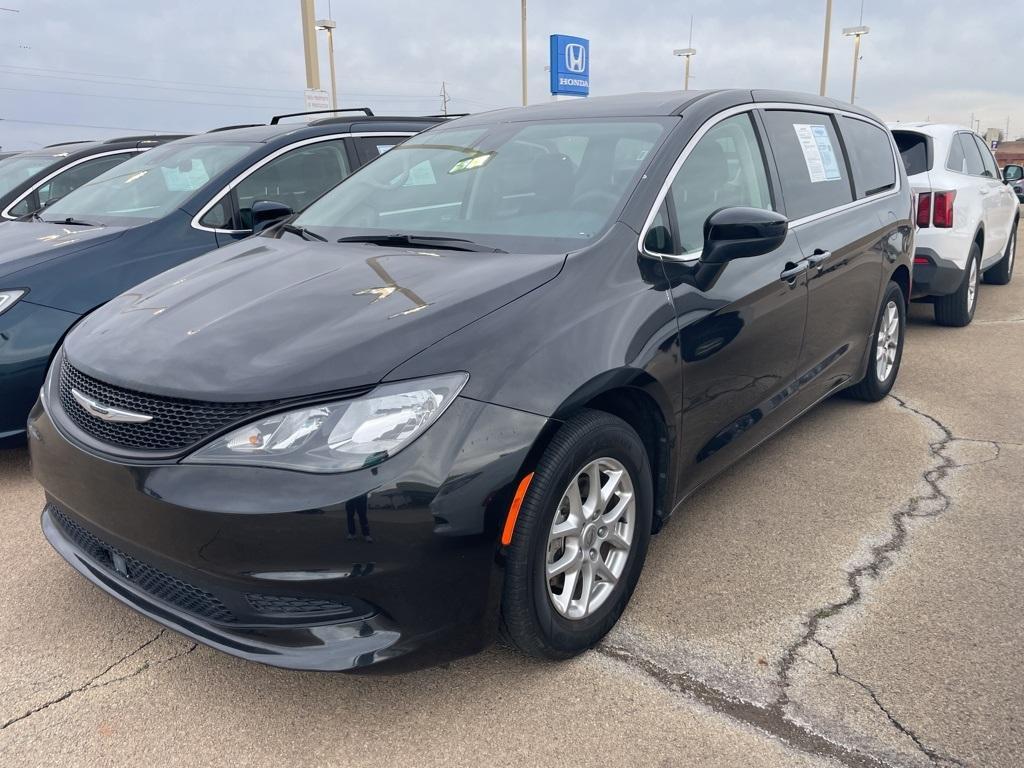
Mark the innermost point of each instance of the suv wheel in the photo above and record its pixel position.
(886, 348)
(957, 309)
(1002, 273)
(580, 539)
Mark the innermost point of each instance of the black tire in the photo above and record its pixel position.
(957, 309)
(529, 620)
(872, 388)
(1002, 272)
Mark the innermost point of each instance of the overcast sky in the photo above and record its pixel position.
(104, 68)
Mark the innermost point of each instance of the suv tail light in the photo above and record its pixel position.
(924, 209)
(943, 215)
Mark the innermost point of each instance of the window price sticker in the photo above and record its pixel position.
(819, 156)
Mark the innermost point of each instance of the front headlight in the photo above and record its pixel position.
(8, 299)
(340, 436)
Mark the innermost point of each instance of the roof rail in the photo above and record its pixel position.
(449, 115)
(66, 143)
(148, 137)
(233, 127)
(365, 110)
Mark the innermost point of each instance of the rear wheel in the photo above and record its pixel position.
(580, 539)
(886, 348)
(1002, 273)
(957, 309)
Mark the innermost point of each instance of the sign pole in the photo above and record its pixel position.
(309, 44)
(824, 50)
(523, 45)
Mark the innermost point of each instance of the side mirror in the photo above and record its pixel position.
(266, 213)
(739, 233)
(1013, 173)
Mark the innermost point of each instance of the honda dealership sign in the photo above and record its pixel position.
(570, 65)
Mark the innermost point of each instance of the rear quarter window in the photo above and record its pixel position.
(871, 157)
(811, 162)
(916, 151)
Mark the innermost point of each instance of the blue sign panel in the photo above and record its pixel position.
(570, 65)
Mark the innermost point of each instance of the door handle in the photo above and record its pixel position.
(793, 271)
(818, 257)
(983, 191)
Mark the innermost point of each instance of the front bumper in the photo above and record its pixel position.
(28, 335)
(934, 275)
(398, 563)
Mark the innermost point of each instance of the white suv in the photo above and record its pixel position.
(966, 217)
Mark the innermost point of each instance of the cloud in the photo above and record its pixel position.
(193, 65)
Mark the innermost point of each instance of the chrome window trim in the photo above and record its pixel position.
(273, 156)
(693, 256)
(6, 212)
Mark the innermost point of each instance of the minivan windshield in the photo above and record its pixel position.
(519, 186)
(150, 185)
(15, 170)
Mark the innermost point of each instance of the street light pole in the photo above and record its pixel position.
(329, 25)
(686, 53)
(856, 33)
(824, 50)
(522, 41)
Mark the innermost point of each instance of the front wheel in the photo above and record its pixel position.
(886, 348)
(580, 538)
(1002, 273)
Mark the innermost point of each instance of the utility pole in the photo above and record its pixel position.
(522, 41)
(309, 44)
(445, 98)
(824, 49)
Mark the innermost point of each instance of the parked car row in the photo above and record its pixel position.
(455, 394)
(167, 204)
(966, 216)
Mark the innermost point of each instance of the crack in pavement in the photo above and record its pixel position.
(932, 754)
(774, 718)
(92, 683)
(771, 719)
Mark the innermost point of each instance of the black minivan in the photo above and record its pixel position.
(462, 389)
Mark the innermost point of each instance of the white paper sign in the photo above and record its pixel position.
(819, 155)
(317, 98)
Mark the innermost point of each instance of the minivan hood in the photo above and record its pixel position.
(266, 318)
(25, 244)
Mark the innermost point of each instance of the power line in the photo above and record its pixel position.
(86, 125)
(137, 98)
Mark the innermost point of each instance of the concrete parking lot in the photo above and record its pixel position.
(852, 593)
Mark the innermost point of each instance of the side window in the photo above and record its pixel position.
(973, 165)
(369, 148)
(724, 169)
(871, 156)
(991, 169)
(659, 235)
(812, 167)
(68, 181)
(956, 160)
(296, 178)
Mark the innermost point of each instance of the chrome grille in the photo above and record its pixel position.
(177, 424)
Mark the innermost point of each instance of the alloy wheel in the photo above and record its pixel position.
(590, 538)
(888, 341)
(972, 286)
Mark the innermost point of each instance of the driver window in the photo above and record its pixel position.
(296, 178)
(725, 169)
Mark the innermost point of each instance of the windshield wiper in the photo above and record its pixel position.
(421, 241)
(305, 234)
(70, 220)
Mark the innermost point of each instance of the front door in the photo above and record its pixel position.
(740, 337)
